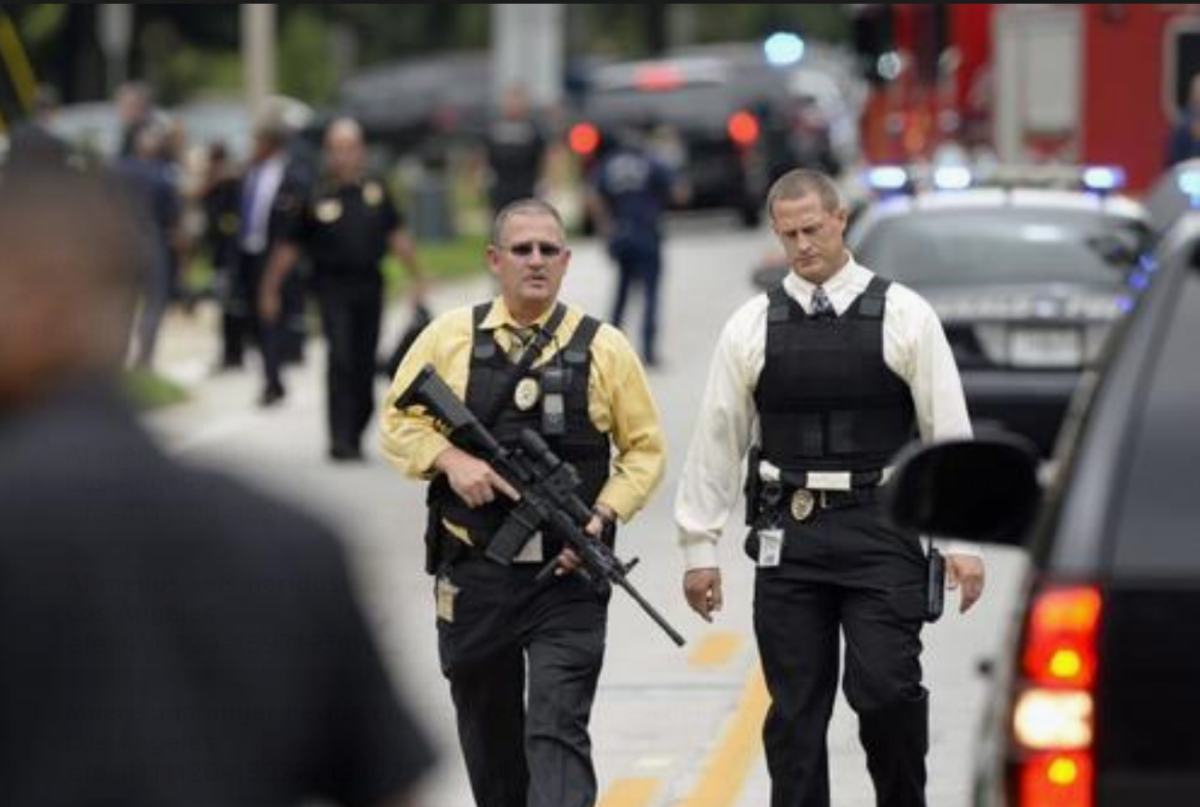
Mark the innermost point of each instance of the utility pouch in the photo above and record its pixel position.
(433, 539)
(935, 584)
(554, 410)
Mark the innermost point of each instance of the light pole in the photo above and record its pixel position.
(527, 49)
(116, 31)
(258, 54)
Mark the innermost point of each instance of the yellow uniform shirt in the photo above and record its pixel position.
(619, 401)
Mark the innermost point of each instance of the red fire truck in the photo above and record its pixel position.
(1078, 83)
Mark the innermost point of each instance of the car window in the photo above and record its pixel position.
(989, 246)
(1157, 522)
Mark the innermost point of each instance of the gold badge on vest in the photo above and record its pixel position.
(329, 211)
(525, 396)
(372, 193)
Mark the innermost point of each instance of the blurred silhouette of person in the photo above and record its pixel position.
(150, 180)
(274, 188)
(170, 637)
(628, 194)
(31, 141)
(220, 198)
(135, 109)
(516, 151)
(1185, 137)
(812, 141)
(346, 228)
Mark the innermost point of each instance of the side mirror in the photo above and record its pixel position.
(984, 489)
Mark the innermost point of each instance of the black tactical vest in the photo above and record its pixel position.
(581, 444)
(826, 399)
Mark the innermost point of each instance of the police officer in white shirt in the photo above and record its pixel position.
(820, 381)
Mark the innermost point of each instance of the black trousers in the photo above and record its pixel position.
(844, 573)
(523, 660)
(279, 342)
(640, 265)
(350, 316)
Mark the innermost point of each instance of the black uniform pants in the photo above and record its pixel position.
(523, 660)
(350, 316)
(844, 573)
(639, 265)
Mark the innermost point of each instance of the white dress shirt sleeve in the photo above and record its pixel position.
(711, 481)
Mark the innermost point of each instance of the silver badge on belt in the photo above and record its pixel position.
(803, 503)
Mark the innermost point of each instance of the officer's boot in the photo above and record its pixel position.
(896, 740)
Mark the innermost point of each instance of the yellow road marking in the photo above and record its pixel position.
(715, 649)
(727, 769)
(629, 793)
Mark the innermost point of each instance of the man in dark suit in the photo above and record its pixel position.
(274, 187)
(169, 637)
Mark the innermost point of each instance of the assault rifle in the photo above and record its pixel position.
(546, 484)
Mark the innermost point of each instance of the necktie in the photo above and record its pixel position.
(519, 339)
(821, 307)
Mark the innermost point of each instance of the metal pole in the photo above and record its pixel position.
(258, 54)
(116, 32)
(527, 49)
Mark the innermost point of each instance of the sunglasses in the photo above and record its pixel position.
(525, 249)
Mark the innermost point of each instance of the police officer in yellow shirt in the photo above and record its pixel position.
(523, 657)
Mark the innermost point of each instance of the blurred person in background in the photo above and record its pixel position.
(1185, 137)
(170, 637)
(135, 109)
(274, 189)
(220, 198)
(346, 227)
(629, 192)
(516, 151)
(150, 180)
(31, 143)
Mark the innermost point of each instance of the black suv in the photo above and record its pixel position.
(1098, 696)
(706, 120)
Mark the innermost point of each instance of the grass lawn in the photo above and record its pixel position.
(450, 260)
(151, 391)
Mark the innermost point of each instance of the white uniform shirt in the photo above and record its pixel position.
(914, 347)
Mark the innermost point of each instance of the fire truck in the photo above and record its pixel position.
(1060, 83)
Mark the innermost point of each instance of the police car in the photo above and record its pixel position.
(1028, 272)
(1096, 698)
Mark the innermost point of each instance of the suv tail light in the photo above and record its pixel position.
(742, 128)
(1052, 716)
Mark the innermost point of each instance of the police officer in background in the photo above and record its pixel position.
(516, 151)
(822, 380)
(628, 195)
(523, 657)
(346, 227)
